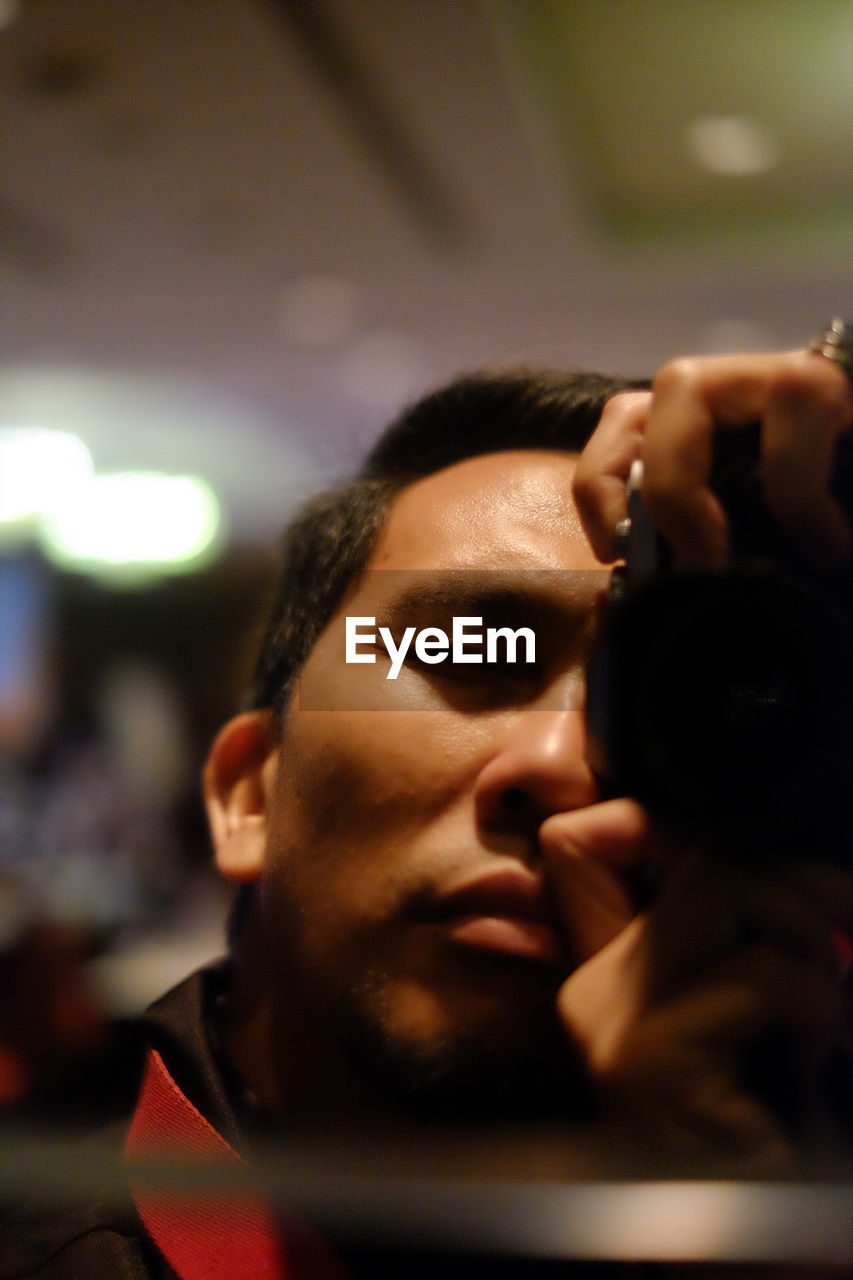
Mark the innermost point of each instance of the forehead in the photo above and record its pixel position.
(511, 510)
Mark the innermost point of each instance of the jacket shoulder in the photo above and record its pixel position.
(89, 1245)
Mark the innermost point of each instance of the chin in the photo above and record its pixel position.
(466, 1055)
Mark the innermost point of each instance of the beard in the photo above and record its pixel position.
(520, 1068)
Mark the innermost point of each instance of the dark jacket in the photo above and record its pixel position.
(61, 1242)
(108, 1240)
(116, 1241)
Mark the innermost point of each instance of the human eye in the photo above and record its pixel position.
(482, 685)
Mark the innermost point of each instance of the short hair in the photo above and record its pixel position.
(326, 548)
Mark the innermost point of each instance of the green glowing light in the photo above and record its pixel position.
(133, 521)
(40, 469)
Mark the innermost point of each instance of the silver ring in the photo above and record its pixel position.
(836, 343)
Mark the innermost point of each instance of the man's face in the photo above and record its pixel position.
(404, 897)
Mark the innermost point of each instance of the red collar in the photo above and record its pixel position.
(201, 1236)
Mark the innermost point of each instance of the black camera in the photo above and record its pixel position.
(723, 701)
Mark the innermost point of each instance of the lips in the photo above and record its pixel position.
(505, 911)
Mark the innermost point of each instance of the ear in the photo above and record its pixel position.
(238, 778)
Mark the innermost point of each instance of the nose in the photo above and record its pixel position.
(539, 769)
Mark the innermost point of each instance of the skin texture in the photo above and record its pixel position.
(364, 817)
(352, 998)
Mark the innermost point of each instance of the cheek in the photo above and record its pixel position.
(362, 798)
(343, 775)
(361, 804)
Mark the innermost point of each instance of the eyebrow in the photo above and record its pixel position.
(523, 600)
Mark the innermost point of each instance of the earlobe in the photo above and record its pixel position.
(237, 780)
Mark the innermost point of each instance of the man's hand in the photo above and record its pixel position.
(804, 403)
(675, 1010)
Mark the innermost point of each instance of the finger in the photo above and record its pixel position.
(697, 1106)
(606, 992)
(691, 399)
(602, 472)
(677, 459)
(709, 910)
(586, 853)
(802, 425)
(708, 1039)
(677, 1068)
(761, 988)
(593, 903)
(618, 832)
(719, 1118)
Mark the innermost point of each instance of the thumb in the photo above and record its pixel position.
(586, 853)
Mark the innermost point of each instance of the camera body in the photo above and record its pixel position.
(723, 701)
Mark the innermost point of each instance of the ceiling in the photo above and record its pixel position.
(235, 235)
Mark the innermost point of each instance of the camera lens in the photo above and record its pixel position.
(723, 704)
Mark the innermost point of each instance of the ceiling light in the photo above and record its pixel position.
(733, 146)
(39, 468)
(134, 520)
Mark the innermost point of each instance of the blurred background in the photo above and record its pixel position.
(235, 237)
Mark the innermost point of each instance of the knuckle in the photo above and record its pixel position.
(626, 404)
(682, 373)
(810, 378)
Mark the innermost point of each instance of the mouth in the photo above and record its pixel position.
(506, 912)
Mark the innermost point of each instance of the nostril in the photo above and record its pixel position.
(514, 799)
